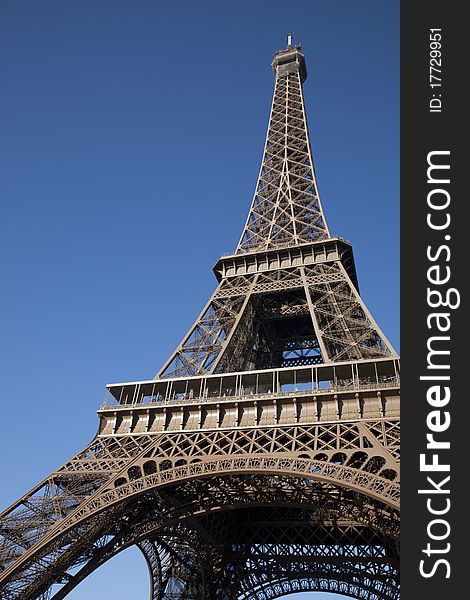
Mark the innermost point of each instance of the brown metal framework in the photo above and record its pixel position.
(263, 459)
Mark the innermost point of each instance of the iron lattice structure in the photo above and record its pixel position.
(263, 457)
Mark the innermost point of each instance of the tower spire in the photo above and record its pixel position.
(315, 314)
(286, 208)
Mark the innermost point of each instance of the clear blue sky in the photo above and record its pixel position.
(131, 138)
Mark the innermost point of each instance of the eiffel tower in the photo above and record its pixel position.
(262, 459)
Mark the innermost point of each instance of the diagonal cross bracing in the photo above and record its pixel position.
(286, 208)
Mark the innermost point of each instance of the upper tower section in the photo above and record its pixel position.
(286, 208)
(289, 61)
